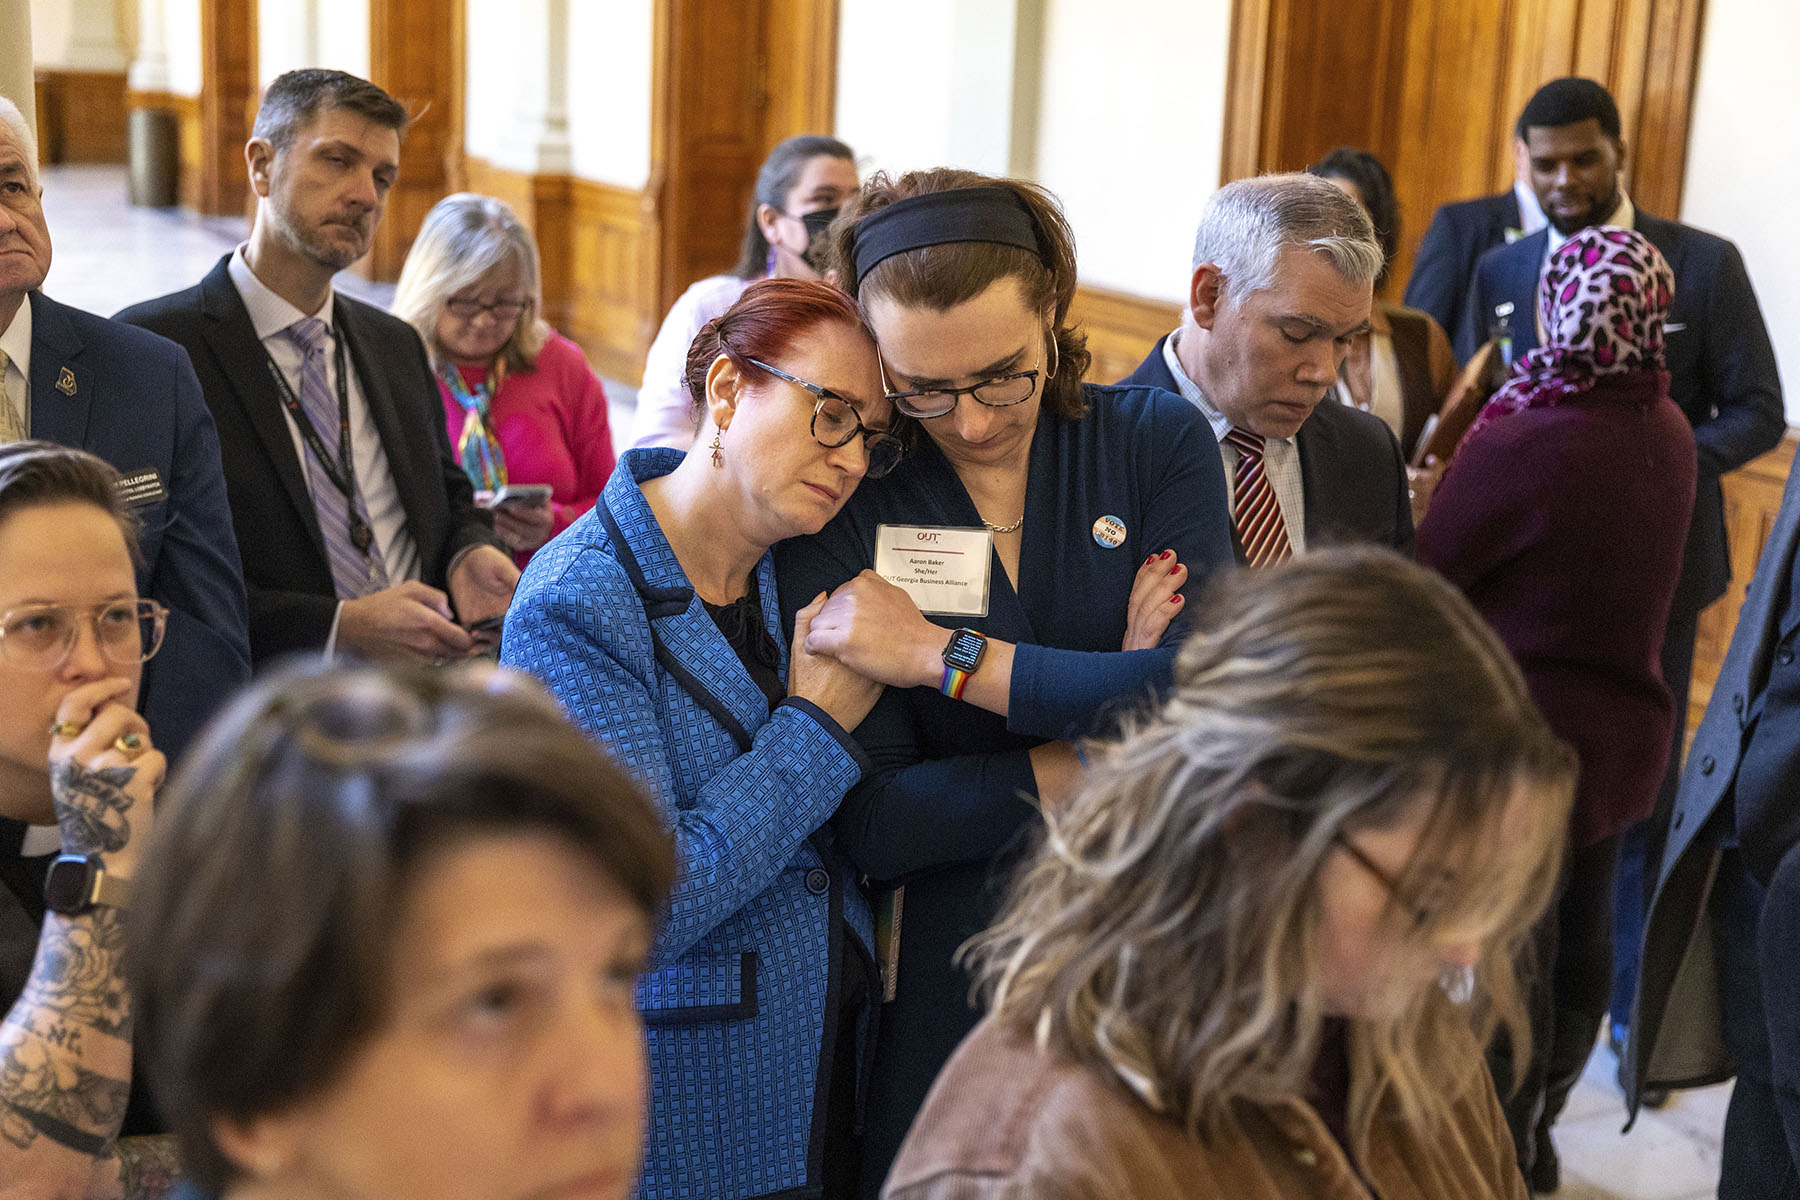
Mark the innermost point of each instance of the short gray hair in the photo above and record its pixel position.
(14, 119)
(1249, 222)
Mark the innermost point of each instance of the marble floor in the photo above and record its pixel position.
(109, 254)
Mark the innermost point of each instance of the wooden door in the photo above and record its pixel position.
(733, 78)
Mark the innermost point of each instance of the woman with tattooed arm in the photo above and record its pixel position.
(75, 754)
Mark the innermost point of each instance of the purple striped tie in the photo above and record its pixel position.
(353, 572)
(1255, 511)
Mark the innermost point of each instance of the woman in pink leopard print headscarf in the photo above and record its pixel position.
(1562, 518)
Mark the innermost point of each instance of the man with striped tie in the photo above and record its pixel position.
(358, 529)
(1283, 280)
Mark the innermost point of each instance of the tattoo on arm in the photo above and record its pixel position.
(148, 1166)
(92, 806)
(66, 1102)
(75, 979)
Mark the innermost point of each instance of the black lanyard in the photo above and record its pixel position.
(342, 473)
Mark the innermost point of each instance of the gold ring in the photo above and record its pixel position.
(66, 728)
(129, 744)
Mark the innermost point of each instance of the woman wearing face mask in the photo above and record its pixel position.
(654, 622)
(521, 402)
(1230, 972)
(386, 944)
(797, 193)
(74, 754)
(1052, 495)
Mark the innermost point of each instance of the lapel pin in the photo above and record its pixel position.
(1109, 532)
(65, 382)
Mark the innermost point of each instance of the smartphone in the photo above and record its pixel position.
(519, 493)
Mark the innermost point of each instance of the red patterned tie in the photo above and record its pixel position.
(1255, 512)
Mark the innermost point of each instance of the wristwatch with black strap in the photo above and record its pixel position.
(76, 884)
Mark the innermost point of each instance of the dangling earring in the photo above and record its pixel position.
(769, 263)
(1055, 356)
(717, 450)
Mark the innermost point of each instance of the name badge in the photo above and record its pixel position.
(943, 568)
(141, 488)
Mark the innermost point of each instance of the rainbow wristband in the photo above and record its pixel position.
(954, 681)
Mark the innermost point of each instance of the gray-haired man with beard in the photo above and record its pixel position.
(356, 526)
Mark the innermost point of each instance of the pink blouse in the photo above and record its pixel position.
(551, 422)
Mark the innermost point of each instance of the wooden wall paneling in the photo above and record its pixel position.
(80, 116)
(410, 43)
(1121, 329)
(227, 105)
(1752, 501)
(1659, 157)
(1245, 96)
(612, 315)
(797, 85)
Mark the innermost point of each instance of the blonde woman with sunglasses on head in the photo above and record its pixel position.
(1233, 968)
(78, 764)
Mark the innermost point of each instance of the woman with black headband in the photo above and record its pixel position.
(1037, 527)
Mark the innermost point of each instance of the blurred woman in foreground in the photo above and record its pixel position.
(1234, 967)
(386, 943)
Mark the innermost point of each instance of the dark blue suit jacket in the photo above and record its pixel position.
(1351, 471)
(131, 398)
(1460, 234)
(1721, 368)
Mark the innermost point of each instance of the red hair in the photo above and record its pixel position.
(767, 319)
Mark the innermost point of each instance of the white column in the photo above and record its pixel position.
(150, 69)
(16, 79)
(538, 139)
(94, 37)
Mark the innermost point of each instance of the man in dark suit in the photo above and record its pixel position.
(1459, 235)
(77, 379)
(358, 529)
(1705, 1008)
(1722, 375)
(1268, 322)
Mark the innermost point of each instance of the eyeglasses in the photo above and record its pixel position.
(835, 423)
(467, 310)
(1422, 914)
(39, 637)
(1002, 391)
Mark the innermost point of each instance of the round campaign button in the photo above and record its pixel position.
(1109, 532)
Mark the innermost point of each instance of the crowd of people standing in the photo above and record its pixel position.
(912, 768)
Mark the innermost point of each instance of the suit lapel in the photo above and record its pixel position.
(61, 388)
(1524, 263)
(689, 645)
(1317, 443)
(397, 437)
(244, 364)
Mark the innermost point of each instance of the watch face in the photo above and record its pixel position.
(965, 650)
(67, 884)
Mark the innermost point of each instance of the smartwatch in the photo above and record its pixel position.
(76, 884)
(961, 657)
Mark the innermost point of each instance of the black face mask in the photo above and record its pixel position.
(816, 224)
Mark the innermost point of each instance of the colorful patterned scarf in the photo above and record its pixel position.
(477, 446)
(1601, 304)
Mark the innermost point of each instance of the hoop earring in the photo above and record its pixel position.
(718, 455)
(1055, 357)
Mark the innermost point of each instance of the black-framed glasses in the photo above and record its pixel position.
(835, 423)
(467, 310)
(1002, 391)
(39, 637)
(1421, 914)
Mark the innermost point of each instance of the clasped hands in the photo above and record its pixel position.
(412, 619)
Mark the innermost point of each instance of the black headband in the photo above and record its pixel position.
(974, 214)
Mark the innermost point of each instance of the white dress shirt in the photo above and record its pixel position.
(15, 384)
(1281, 456)
(1623, 216)
(1531, 213)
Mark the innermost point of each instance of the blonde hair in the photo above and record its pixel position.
(464, 237)
(1166, 932)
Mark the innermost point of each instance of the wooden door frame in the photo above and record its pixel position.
(228, 97)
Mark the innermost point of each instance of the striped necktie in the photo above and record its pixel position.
(12, 428)
(354, 572)
(1254, 510)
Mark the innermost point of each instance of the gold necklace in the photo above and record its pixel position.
(993, 528)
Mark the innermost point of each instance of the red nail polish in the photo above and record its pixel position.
(1174, 568)
(1176, 598)
(1166, 554)
(1150, 560)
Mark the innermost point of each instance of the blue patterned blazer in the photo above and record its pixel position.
(741, 999)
